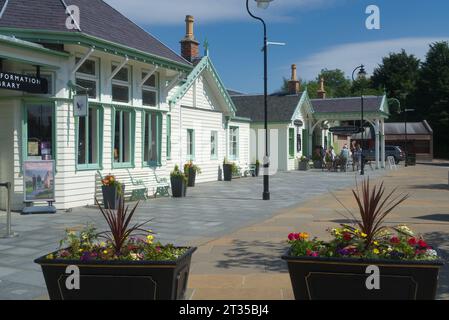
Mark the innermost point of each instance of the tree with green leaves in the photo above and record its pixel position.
(337, 85)
(398, 75)
(433, 94)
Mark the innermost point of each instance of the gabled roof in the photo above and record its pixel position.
(351, 104)
(205, 65)
(398, 128)
(97, 19)
(280, 108)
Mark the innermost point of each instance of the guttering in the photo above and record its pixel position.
(78, 38)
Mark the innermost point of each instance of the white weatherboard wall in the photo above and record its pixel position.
(198, 110)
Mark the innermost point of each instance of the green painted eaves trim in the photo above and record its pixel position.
(204, 64)
(241, 119)
(107, 46)
(31, 46)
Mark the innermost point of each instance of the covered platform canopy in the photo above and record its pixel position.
(332, 112)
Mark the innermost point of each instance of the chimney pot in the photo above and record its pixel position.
(189, 46)
(321, 92)
(294, 85)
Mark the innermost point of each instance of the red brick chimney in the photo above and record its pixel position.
(189, 46)
(321, 92)
(294, 85)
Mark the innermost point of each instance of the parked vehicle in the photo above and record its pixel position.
(390, 151)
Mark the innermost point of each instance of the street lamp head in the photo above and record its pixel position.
(263, 4)
(362, 73)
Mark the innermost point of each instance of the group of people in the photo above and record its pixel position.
(332, 161)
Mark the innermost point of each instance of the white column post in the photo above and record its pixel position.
(382, 142)
(376, 152)
(310, 137)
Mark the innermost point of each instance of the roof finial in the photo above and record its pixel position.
(206, 47)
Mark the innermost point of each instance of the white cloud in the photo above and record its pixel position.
(347, 56)
(167, 12)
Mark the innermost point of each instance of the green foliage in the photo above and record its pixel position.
(337, 85)
(190, 166)
(433, 95)
(176, 173)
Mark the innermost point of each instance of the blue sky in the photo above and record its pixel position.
(319, 33)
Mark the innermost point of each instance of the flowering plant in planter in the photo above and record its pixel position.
(408, 264)
(112, 190)
(230, 169)
(124, 262)
(178, 182)
(121, 242)
(191, 170)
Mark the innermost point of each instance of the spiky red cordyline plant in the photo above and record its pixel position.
(118, 222)
(374, 206)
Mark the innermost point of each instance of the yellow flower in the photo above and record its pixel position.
(80, 250)
(150, 238)
(364, 235)
(376, 251)
(376, 243)
(50, 256)
(105, 251)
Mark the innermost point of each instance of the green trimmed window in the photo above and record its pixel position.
(190, 144)
(233, 143)
(89, 139)
(121, 84)
(87, 78)
(291, 142)
(152, 133)
(168, 137)
(124, 128)
(149, 90)
(214, 145)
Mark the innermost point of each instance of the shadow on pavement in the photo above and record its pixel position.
(443, 217)
(440, 241)
(440, 186)
(438, 164)
(256, 255)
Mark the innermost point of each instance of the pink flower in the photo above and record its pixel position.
(395, 240)
(314, 254)
(291, 236)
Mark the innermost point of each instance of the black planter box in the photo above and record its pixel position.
(303, 166)
(111, 196)
(345, 279)
(178, 187)
(318, 164)
(257, 169)
(119, 280)
(191, 178)
(227, 172)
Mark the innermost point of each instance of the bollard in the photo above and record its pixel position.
(9, 233)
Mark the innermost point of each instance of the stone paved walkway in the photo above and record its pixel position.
(240, 237)
(246, 264)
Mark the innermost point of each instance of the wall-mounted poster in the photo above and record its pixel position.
(39, 181)
(80, 105)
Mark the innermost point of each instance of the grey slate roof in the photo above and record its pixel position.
(398, 128)
(98, 19)
(371, 103)
(280, 108)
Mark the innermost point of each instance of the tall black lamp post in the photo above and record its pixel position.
(361, 76)
(404, 111)
(266, 163)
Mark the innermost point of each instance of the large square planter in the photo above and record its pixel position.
(345, 279)
(119, 280)
(111, 196)
(191, 177)
(227, 172)
(303, 166)
(178, 187)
